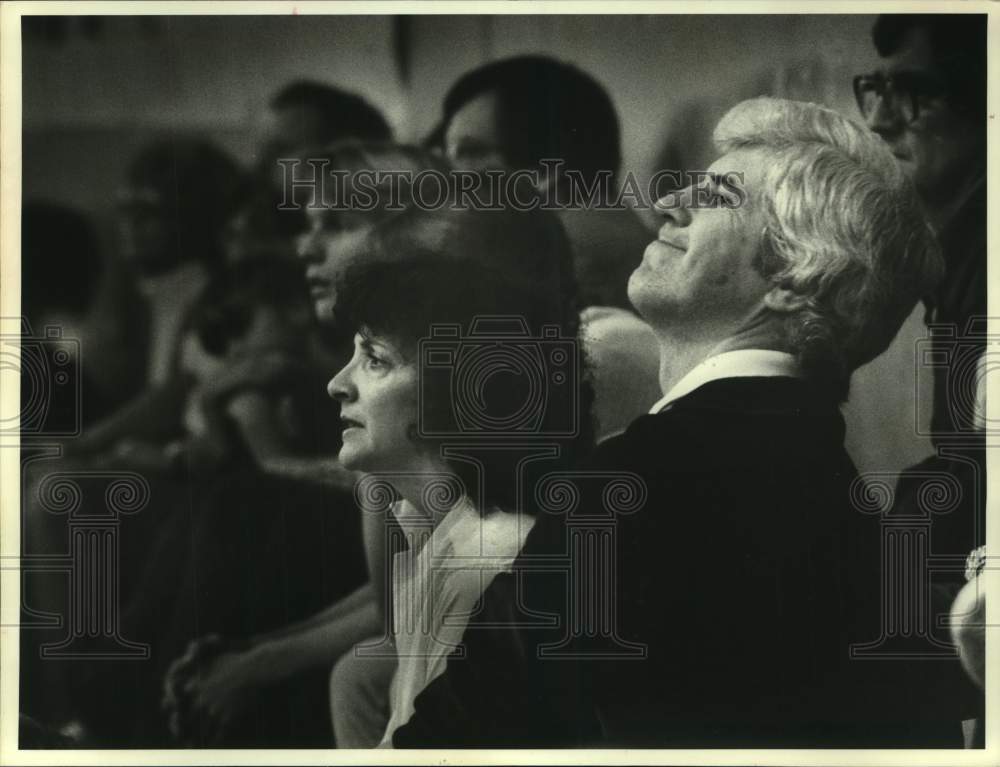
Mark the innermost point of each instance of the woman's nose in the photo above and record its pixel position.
(307, 246)
(340, 387)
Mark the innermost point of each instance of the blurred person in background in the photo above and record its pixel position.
(513, 114)
(927, 101)
(301, 116)
(249, 549)
(178, 195)
(175, 200)
(306, 114)
(219, 420)
(62, 275)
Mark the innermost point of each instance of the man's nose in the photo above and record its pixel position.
(675, 206)
(883, 119)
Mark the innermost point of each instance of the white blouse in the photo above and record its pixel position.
(435, 586)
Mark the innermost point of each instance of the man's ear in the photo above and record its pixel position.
(784, 300)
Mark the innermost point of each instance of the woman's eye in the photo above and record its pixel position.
(375, 363)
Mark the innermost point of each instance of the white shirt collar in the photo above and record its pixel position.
(742, 363)
(418, 525)
(463, 532)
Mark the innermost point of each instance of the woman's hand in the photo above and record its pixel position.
(222, 690)
(198, 652)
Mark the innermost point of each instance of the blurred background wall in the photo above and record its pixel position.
(95, 89)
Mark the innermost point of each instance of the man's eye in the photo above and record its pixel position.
(929, 100)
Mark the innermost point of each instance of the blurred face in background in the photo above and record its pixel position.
(936, 146)
(472, 139)
(332, 239)
(146, 236)
(252, 234)
(287, 133)
(291, 128)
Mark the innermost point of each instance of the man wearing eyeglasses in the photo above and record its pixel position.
(928, 102)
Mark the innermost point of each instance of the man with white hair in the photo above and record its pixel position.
(747, 575)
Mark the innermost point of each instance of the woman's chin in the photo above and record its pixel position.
(350, 459)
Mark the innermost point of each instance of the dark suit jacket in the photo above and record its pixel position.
(745, 577)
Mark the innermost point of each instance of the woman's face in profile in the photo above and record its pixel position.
(331, 240)
(145, 230)
(377, 391)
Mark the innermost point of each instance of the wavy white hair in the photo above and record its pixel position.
(844, 231)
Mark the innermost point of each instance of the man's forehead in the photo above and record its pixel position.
(914, 54)
(748, 161)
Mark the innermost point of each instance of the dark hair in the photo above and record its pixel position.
(453, 267)
(342, 114)
(200, 187)
(958, 46)
(225, 309)
(547, 110)
(61, 265)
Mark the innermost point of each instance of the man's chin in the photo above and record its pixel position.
(640, 295)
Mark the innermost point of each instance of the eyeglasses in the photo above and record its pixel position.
(906, 93)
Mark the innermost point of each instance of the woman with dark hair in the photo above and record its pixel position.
(214, 691)
(466, 369)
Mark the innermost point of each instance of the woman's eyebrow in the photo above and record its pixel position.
(374, 346)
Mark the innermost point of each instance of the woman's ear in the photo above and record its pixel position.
(784, 300)
(413, 434)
